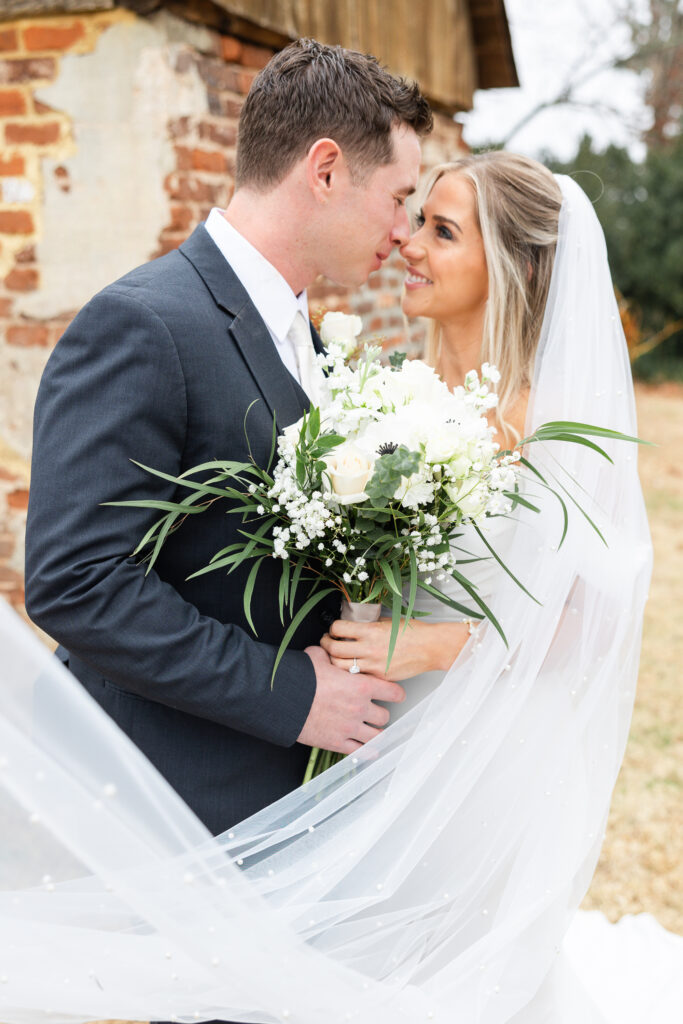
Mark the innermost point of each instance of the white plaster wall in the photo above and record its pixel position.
(119, 98)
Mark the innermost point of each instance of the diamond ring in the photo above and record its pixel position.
(354, 668)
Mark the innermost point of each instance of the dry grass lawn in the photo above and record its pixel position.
(641, 867)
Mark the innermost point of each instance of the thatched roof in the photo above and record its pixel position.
(451, 47)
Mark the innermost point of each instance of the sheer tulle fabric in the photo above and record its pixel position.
(433, 875)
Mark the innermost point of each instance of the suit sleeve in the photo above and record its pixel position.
(114, 390)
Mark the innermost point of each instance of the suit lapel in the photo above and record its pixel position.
(281, 392)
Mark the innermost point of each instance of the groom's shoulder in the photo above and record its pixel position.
(167, 285)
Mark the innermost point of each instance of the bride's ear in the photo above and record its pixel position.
(324, 162)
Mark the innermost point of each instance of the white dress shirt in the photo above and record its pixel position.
(266, 287)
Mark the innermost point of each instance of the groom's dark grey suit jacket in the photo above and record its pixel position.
(161, 367)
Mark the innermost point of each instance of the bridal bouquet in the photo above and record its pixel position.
(367, 492)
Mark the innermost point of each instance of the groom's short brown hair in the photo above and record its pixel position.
(309, 91)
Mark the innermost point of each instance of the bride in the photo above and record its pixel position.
(435, 874)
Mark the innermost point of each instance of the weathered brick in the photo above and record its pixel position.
(244, 81)
(231, 49)
(221, 133)
(10, 579)
(187, 189)
(63, 178)
(9, 40)
(18, 499)
(53, 37)
(28, 335)
(26, 255)
(217, 75)
(42, 108)
(183, 158)
(34, 134)
(206, 160)
(221, 105)
(179, 127)
(15, 222)
(255, 56)
(32, 69)
(7, 545)
(167, 243)
(55, 334)
(12, 166)
(12, 103)
(22, 279)
(6, 306)
(181, 218)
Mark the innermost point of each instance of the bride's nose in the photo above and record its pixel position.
(412, 250)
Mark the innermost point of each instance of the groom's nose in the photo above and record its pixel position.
(401, 229)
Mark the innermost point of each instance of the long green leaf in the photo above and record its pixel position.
(154, 503)
(455, 605)
(412, 591)
(282, 589)
(546, 430)
(313, 600)
(517, 499)
(396, 605)
(392, 576)
(583, 513)
(273, 445)
(246, 432)
(195, 485)
(577, 439)
(502, 564)
(296, 576)
(470, 589)
(248, 591)
(228, 467)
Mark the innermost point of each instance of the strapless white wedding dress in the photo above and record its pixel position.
(625, 973)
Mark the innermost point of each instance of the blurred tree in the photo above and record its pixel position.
(658, 53)
(640, 207)
(652, 46)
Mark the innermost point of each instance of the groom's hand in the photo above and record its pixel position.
(343, 715)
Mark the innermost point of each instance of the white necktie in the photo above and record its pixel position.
(300, 336)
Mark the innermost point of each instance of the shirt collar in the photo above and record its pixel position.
(274, 299)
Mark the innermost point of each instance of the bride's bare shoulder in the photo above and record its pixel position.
(511, 431)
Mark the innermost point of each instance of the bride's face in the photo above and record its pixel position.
(447, 278)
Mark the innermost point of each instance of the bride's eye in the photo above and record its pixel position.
(418, 220)
(444, 232)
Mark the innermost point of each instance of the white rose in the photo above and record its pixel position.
(341, 328)
(292, 433)
(444, 444)
(471, 497)
(460, 466)
(349, 470)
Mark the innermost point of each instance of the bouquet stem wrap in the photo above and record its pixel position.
(352, 611)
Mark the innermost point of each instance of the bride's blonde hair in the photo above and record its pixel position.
(517, 203)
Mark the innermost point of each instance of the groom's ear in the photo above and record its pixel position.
(323, 164)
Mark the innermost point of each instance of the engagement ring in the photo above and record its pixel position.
(354, 668)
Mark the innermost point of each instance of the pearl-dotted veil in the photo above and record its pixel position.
(433, 875)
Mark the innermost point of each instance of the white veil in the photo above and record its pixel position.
(430, 877)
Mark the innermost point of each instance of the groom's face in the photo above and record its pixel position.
(370, 218)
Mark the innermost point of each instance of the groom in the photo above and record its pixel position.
(161, 367)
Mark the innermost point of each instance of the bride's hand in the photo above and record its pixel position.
(422, 647)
